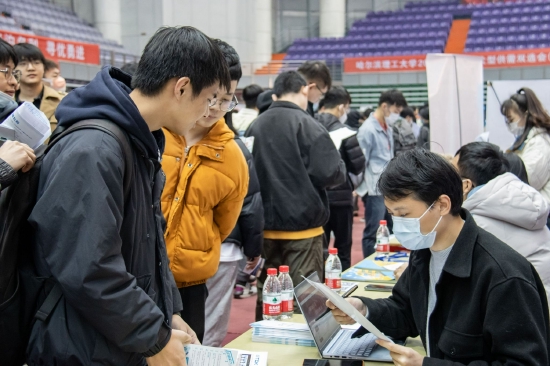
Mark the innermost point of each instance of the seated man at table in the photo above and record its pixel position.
(470, 297)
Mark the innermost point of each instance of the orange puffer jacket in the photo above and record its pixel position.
(201, 201)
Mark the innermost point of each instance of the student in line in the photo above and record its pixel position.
(120, 304)
(340, 198)
(470, 297)
(319, 81)
(296, 162)
(243, 119)
(206, 182)
(529, 122)
(503, 205)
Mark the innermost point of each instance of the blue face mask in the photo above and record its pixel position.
(407, 231)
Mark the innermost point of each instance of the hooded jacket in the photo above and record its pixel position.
(202, 200)
(535, 154)
(296, 162)
(516, 214)
(108, 256)
(353, 157)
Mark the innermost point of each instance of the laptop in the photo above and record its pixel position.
(331, 339)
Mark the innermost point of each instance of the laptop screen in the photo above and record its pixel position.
(313, 305)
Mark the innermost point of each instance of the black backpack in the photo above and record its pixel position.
(25, 297)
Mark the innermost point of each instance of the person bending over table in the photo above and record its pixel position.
(472, 299)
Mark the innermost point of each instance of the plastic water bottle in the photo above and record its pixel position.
(333, 270)
(383, 238)
(272, 296)
(287, 289)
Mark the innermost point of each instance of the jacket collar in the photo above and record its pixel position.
(459, 263)
(50, 93)
(329, 121)
(285, 104)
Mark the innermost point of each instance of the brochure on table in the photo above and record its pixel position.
(210, 356)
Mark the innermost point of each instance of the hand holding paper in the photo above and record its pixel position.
(347, 308)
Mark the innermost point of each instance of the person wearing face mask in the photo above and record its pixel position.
(423, 140)
(340, 198)
(206, 183)
(529, 122)
(318, 79)
(470, 297)
(375, 137)
(505, 206)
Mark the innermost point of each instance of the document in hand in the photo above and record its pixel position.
(211, 356)
(347, 308)
(340, 135)
(29, 125)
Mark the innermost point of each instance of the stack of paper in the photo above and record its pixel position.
(368, 275)
(210, 356)
(267, 331)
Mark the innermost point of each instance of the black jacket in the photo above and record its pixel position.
(109, 257)
(491, 305)
(423, 140)
(353, 157)
(296, 162)
(249, 231)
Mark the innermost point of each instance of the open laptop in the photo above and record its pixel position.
(331, 339)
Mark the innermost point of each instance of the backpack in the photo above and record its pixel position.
(25, 297)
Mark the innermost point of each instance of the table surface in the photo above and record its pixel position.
(286, 355)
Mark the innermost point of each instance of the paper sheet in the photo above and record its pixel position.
(210, 356)
(29, 124)
(340, 135)
(347, 308)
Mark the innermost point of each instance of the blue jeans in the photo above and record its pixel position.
(375, 210)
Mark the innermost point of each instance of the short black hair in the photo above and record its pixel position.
(423, 175)
(481, 162)
(250, 95)
(50, 65)
(336, 96)
(316, 72)
(29, 52)
(7, 53)
(392, 97)
(264, 100)
(408, 112)
(288, 82)
(424, 112)
(175, 52)
(130, 68)
(232, 59)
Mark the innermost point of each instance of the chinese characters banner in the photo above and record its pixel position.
(516, 58)
(57, 49)
(385, 63)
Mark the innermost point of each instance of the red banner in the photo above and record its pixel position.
(515, 58)
(57, 49)
(385, 63)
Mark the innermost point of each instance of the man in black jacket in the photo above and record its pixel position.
(296, 162)
(340, 198)
(472, 299)
(120, 304)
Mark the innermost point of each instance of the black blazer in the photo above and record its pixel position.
(491, 305)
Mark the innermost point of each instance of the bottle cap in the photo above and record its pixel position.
(383, 222)
(272, 271)
(283, 269)
(333, 251)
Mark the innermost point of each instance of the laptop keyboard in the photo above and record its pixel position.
(361, 347)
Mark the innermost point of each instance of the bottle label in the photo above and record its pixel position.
(333, 283)
(272, 304)
(382, 244)
(287, 303)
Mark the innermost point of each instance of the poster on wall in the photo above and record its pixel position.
(455, 94)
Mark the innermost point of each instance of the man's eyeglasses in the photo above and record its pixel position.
(229, 105)
(9, 73)
(322, 93)
(212, 102)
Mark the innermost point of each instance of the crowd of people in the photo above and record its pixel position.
(146, 239)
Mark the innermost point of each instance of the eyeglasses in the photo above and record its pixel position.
(9, 73)
(229, 105)
(322, 94)
(212, 102)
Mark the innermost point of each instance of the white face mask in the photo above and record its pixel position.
(393, 117)
(407, 231)
(515, 129)
(343, 118)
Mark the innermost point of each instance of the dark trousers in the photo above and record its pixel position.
(375, 210)
(340, 223)
(303, 256)
(194, 300)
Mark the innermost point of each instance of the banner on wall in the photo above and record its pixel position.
(455, 94)
(57, 49)
(493, 59)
